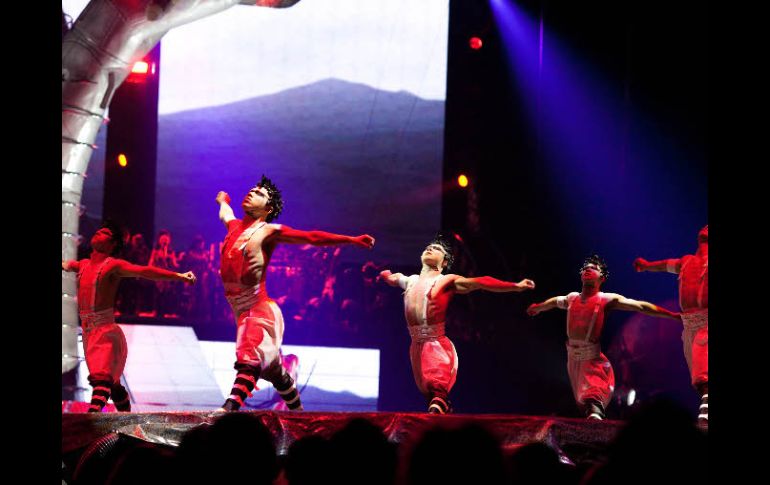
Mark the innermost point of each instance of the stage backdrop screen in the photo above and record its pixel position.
(339, 102)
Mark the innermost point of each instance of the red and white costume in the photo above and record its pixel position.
(258, 319)
(590, 372)
(695, 334)
(433, 356)
(260, 326)
(245, 256)
(103, 340)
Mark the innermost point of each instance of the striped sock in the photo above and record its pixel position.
(703, 410)
(593, 409)
(99, 396)
(245, 382)
(438, 405)
(288, 391)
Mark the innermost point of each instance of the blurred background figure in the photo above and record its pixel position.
(136, 293)
(166, 292)
(195, 301)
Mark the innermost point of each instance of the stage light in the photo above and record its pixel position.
(475, 43)
(140, 72)
(462, 181)
(140, 67)
(631, 397)
(122, 160)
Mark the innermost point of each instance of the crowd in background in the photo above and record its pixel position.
(314, 289)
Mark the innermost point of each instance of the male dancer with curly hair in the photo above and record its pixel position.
(246, 253)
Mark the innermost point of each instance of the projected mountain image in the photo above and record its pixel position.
(348, 158)
(315, 399)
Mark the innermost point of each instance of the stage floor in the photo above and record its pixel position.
(577, 440)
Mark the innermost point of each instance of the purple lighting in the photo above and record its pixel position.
(602, 156)
(540, 52)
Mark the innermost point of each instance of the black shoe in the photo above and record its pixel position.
(123, 406)
(229, 406)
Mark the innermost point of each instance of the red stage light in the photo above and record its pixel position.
(462, 181)
(140, 67)
(122, 160)
(475, 43)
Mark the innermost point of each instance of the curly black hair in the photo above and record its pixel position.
(117, 235)
(599, 262)
(276, 202)
(445, 243)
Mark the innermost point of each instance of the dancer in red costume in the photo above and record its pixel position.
(426, 298)
(103, 340)
(246, 253)
(693, 271)
(590, 372)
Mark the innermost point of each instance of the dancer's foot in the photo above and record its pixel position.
(230, 405)
(124, 406)
(593, 410)
(438, 406)
(703, 412)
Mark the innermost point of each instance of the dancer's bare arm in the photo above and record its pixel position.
(226, 213)
(673, 265)
(627, 304)
(487, 283)
(548, 304)
(393, 279)
(286, 234)
(124, 269)
(70, 265)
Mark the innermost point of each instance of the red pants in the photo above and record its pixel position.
(434, 365)
(106, 352)
(695, 338)
(259, 337)
(591, 378)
